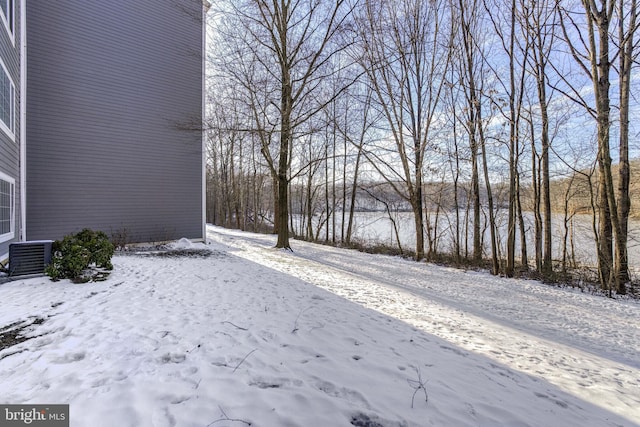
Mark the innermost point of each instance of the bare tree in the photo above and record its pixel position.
(472, 71)
(628, 22)
(356, 129)
(292, 45)
(539, 29)
(454, 160)
(594, 47)
(506, 16)
(404, 52)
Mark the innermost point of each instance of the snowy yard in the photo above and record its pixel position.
(250, 335)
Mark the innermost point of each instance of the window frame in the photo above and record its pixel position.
(12, 207)
(10, 130)
(9, 21)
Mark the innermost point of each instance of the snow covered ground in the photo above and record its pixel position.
(250, 335)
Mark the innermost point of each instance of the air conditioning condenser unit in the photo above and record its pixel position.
(29, 258)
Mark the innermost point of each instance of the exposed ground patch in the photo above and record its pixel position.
(173, 253)
(17, 332)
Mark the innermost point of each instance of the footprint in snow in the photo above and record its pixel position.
(364, 420)
(455, 350)
(265, 383)
(69, 357)
(172, 358)
(558, 402)
(349, 395)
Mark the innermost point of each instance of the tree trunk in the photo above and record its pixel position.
(536, 185)
(354, 188)
(327, 206)
(283, 162)
(624, 172)
(600, 66)
(475, 194)
(524, 258)
(417, 206)
(473, 102)
(545, 196)
(547, 265)
(595, 62)
(513, 147)
(492, 222)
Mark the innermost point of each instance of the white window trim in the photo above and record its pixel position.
(10, 235)
(22, 233)
(5, 21)
(11, 133)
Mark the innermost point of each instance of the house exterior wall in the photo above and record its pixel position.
(10, 42)
(110, 88)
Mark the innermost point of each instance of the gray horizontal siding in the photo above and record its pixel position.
(10, 148)
(109, 83)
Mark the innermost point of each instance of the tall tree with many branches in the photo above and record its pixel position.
(403, 49)
(293, 46)
(595, 44)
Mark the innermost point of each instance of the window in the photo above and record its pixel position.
(7, 207)
(8, 15)
(7, 102)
